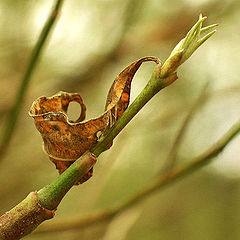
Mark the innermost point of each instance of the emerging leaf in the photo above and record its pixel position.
(187, 46)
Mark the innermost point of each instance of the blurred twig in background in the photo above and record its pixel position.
(157, 184)
(172, 156)
(14, 113)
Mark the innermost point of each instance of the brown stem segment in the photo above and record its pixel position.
(40, 206)
(23, 218)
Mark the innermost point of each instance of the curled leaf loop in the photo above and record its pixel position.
(65, 140)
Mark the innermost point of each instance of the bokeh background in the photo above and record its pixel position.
(91, 43)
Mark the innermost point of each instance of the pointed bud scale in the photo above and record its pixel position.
(187, 46)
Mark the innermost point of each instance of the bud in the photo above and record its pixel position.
(187, 46)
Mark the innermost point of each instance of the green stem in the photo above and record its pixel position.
(51, 195)
(40, 206)
(14, 113)
(154, 85)
(157, 184)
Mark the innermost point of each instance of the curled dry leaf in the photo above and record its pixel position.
(65, 140)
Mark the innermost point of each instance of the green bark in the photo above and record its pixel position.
(23, 219)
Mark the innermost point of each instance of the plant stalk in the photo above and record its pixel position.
(15, 110)
(155, 185)
(154, 85)
(51, 195)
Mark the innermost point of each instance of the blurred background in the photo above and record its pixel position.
(91, 43)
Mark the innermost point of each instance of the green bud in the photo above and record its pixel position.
(187, 46)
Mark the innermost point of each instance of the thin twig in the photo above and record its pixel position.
(14, 113)
(172, 156)
(156, 185)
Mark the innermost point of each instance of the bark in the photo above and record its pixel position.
(23, 218)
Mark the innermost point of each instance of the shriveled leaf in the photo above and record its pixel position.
(65, 140)
(119, 93)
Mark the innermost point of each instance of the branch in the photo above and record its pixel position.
(40, 206)
(161, 78)
(172, 156)
(158, 184)
(14, 112)
(50, 196)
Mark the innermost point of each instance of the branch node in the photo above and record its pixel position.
(23, 218)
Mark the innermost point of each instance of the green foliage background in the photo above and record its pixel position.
(92, 42)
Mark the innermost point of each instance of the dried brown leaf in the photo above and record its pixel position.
(65, 140)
